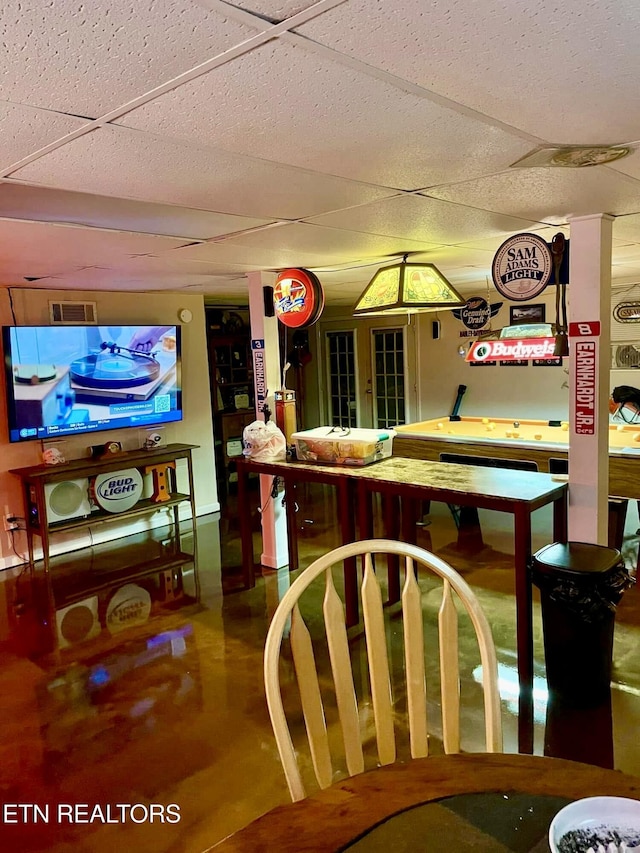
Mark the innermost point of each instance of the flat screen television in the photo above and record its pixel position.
(74, 380)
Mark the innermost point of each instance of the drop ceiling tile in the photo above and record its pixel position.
(142, 166)
(625, 274)
(629, 165)
(539, 67)
(627, 228)
(420, 218)
(38, 249)
(303, 245)
(171, 262)
(286, 103)
(87, 58)
(547, 195)
(105, 279)
(492, 245)
(627, 254)
(25, 201)
(451, 257)
(25, 130)
(275, 10)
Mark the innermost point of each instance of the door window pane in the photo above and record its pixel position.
(342, 379)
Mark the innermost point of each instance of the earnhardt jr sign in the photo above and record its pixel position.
(506, 350)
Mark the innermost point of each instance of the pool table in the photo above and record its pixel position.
(529, 443)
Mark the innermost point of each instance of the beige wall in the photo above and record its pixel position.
(31, 307)
(434, 370)
(507, 392)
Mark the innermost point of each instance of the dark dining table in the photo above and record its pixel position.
(492, 803)
(403, 484)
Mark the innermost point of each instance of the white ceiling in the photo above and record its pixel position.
(179, 144)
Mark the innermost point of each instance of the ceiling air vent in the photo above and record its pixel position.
(574, 157)
(73, 313)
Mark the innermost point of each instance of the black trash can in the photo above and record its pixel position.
(580, 585)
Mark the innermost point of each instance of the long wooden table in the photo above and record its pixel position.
(348, 811)
(519, 493)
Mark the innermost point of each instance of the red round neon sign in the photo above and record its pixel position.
(298, 298)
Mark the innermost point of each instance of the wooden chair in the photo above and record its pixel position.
(288, 615)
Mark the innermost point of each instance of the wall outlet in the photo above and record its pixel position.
(11, 522)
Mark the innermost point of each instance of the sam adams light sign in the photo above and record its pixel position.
(522, 267)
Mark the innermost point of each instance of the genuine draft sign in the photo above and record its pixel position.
(522, 267)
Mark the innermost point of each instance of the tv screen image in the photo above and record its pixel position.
(70, 380)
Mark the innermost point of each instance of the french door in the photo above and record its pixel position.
(388, 385)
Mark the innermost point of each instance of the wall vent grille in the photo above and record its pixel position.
(73, 313)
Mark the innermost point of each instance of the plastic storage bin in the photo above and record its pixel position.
(338, 446)
(580, 585)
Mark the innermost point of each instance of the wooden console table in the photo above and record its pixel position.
(35, 478)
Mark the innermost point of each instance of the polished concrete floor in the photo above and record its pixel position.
(149, 694)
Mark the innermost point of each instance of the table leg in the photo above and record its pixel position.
(560, 518)
(391, 518)
(409, 517)
(246, 534)
(292, 524)
(365, 511)
(346, 514)
(524, 628)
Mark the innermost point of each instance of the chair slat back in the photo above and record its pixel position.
(413, 628)
(338, 644)
(311, 700)
(449, 670)
(415, 560)
(377, 656)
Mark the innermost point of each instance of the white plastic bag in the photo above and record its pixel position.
(264, 442)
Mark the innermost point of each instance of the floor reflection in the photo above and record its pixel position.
(133, 674)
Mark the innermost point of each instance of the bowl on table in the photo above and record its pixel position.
(594, 821)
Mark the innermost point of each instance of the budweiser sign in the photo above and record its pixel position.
(506, 350)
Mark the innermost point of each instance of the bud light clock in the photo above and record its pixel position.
(522, 267)
(118, 491)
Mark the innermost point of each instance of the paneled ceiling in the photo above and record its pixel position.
(178, 144)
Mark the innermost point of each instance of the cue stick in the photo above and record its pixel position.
(454, 416)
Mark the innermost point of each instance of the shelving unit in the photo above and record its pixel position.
(35, 478)
(232, 388)
(231, 373)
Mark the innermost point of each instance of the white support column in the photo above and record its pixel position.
(590, 334)
(266, 376)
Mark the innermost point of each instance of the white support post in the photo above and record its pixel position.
(590, 336)
(265, 350)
